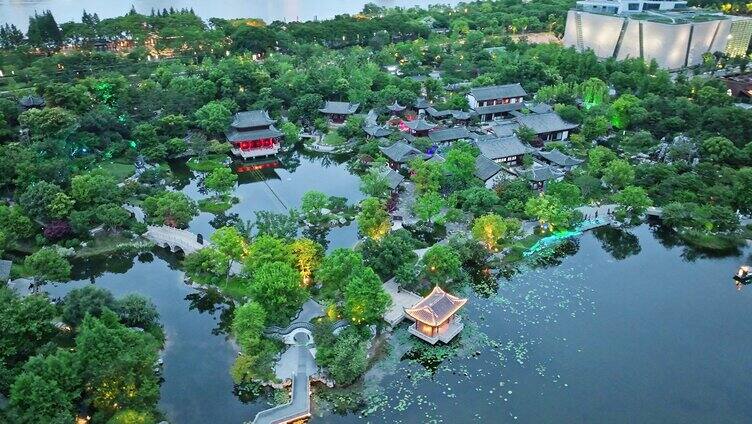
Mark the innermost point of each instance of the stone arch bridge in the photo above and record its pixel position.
(175, 239)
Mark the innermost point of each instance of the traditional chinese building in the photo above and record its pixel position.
(496, 101)
(337, 112)
(419, 127)
(252, 134)
(396, 108)
(435, 318)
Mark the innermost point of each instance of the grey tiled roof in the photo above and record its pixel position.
(542, 123)
(558, 158)
(449, 134)
(401, 152)
(498, 92)
(240, 135)
(377, 131)
(508, 107)
(504, 147)
(396, 107)
(394, 178)
(422, 103)
(252, 119)
(436, 308)
(339, 108)
(438, 113)
(31, 101)
(504, 128)
(419, 124)
(543, 173)
(460, 114)
(540, 108)
(485, 168)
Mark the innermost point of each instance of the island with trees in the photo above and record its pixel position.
(455, 185)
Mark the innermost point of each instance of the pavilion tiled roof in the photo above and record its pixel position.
(540, 174)
(498, 92)
(239, 135)
(435, 113)
(502, 147)
(436, 308)
(558, 158)
(506, 107)
(252, 119)
(401, 152)
(394, 178)
(420, 124)
(422, 103)
(377, 131)
(542, 123)
(485, 168)
(449, 134)
(339, 108)
(396, 107)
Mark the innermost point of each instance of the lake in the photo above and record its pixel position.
(18, 11)
(617, 327)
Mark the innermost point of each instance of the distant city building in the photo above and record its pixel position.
(664, 30)
(496, 101)
(252, 134)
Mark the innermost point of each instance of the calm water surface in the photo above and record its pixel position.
(277, 189)
(619, 328)
(18, 11)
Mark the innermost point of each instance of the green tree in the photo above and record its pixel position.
(373, 219)
(291, 132)
(426, 175)
(267, 249)
(619, 174)
(549, 211)
(94, 189)
(598, 158)
(308, 255)
(53, 122)
(627, 111)
(36, 400)
(61, 206)
(459, 165)
(336, 270)
(135, 310)
(248, 325)
(214, 117)
(428, 205)
(385, 256)
(277, 225)
(276, 287)
(477, 200)
(25, 326)
(569, 195)
(594, 92)
(494, 231)
(88, 300)
(36, 200)
(132, 416)
(313, 205)
(45, 265)
(117, 364)
(171, 208)
(349, 360)
(207, 265)
(374, 183)
(594, 127)
(442, 265)
(632, 203)
(221, 180)
(718, 149)
(15, 224)
(366, 301)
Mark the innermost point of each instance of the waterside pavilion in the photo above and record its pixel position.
(435, 318)
(252, 134)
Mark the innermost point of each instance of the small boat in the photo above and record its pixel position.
(744, 275)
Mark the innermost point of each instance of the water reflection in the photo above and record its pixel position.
(620, 243)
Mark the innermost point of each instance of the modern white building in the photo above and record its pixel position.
(666, 31)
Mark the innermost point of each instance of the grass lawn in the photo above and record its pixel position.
(333, 139)
(207, 164)
(215, 206)
(235, 288)
(119, 170)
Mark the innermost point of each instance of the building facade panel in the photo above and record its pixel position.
(666, 43)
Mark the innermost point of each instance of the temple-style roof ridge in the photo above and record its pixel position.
(339, 108)
(396, 107)
(252, 119)
(420, 124)
(436, 308)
